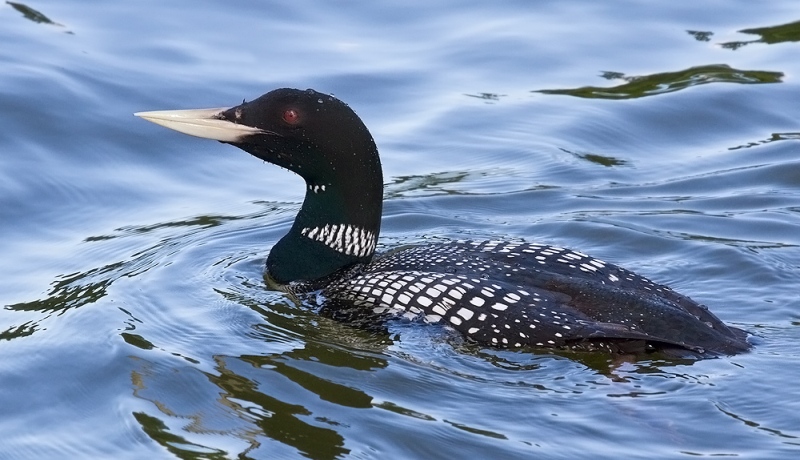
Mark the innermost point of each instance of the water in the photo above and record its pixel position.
(135, 322)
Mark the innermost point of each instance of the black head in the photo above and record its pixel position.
(320, 138)
(307, 132)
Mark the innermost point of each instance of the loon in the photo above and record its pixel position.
(495, 293)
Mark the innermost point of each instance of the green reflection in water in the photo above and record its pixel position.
(667, 82)
(769, 35)
(137, 341)
(180, 447)
(23, 330)
(32, 14)
(278, 420)
(71, 291)
(304, 416)
(283, 397)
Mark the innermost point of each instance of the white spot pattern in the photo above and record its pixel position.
(344, 238)
(475, 289)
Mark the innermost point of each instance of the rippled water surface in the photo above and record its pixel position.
(135, 323)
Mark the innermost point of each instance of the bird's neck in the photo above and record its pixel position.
(337, 226)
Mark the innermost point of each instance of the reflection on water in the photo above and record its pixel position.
(266, 397)
(603, 160)
(22, 330)
(72, 291)
(701, 36)
(769, 35)
(305, 398)
(424, 184)
(75, 290)
(753, 424)
(32, 14)
(176, 445)
(488, 97)
(773, 138)
(667, 82)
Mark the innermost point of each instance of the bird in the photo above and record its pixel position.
(501, 294)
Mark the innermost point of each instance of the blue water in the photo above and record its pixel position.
(662, 136)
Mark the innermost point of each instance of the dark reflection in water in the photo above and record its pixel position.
(260, 391)
(774, 137)
(72, 291)
(603, 160)
(667, 82)
(199, 222)
(176, 445)
(477, 431)
(34, 15)
(754, 424)
(68, 292)
(603, 363)
(137, 341)
(769, 35)
(309, 399)
(75, 290)
(403, 185)
(701, 36)
(392, 407)
(278, 419)
(287, 397)
(23, 330)
(488, 97)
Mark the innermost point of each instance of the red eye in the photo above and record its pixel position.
(291, 116)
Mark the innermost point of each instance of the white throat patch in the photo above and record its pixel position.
(347, 239)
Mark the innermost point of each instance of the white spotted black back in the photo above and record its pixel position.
(499, 314)
(518, 294)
